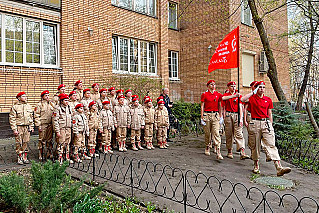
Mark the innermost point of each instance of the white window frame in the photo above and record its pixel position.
(177, 65)
(133, 7)
(41, 64)
(176, 21)
(119, 71)
(243, 11)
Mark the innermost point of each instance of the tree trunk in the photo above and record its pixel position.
(272, 72)
(309, 60)
(312, 120)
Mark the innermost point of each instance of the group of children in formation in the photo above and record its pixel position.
(86, 119)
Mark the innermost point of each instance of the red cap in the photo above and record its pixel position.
(78, 106)
(86, 90)
(134, 96)
(161, 102)
(128, 91)
(93, 85)
(253, 83)
(45, 92)
(121, 96)
(60, 86)
(111, 88)
(159, 98)
(77, 83)
(259, 83)
(148, 100)
(102, 90)
(231, 83)
(92, 103)
(72, 93)
(146, 97)
(20, 94)
(105, 102)
(120, 90)
(135, 99)
(63, 96)
(209, 82)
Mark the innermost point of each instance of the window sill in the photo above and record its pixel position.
(248, 25)
(134, 73)
(173, 29)
(31, 65)
(134, 11)
(177, 80)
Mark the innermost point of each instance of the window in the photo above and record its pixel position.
(133, 56)
(246, 17)
(141, 6)
(248, 69)
(173, 65)
(172, 15)
(27, 42)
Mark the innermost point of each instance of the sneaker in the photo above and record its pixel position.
(151, 144)
(230, 155)
(25, 158)
(85, 157)
(244, 156)
(283, 170)
(139, 146)
(207, 151)
(60, 159)
(134, 147)
(91, 152)
(77, 159)
(219, 157)
(109, 149)
(124, 147)
(20, 161)
(256, 170)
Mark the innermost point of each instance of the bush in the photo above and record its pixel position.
(13, 192)
(53, 190)
(284, 119)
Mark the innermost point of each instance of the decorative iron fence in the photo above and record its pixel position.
(188, 188)
(302, 153)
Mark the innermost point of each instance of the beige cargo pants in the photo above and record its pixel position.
(233, 131)
(211, 128)
(22, 139)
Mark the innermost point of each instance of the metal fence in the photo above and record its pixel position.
(188, 188)
(192, 191)
(302, 153)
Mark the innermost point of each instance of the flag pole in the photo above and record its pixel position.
(238, 78)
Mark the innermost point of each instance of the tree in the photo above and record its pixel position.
(272, 72)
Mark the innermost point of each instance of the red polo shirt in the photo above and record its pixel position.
(259, 106)
(231, 105)
(211, 100)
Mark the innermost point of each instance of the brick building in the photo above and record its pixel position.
(47, 42)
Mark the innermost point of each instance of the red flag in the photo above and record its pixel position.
(226, 54)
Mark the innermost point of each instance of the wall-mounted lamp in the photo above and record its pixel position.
(90, 31)
(210, 48)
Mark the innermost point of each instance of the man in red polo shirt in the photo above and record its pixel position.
(260, 127)
(233, 129)
(211, 111)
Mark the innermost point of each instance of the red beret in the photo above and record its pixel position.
(134, 96)
(121, 96)
(128, 91)
(231, 83)
(120, 90)
(93, 85)
(78, 106)
(253, 83)
(92, 103)
(135, 99)
(45, 92)
(102, 90)
(161, 102)
(111, 88)
(209, 82)
(86, 90)
(105, 102)
(60, 86)
(20, 94)
(260, 83)
(146, 97)
(63, 96)
(159, 98)
(77, 83)
(148, 100)
(72, 93)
